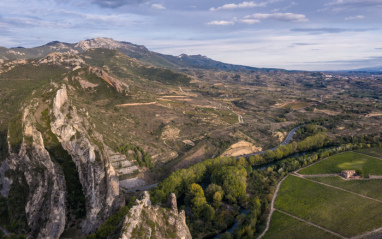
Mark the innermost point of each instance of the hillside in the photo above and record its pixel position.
(83, 125)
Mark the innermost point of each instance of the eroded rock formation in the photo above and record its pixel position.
(45, 200)
(147, 221)
(97, 176)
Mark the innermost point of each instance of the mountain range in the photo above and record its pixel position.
(138, 52)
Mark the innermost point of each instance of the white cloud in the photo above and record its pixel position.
(158, 6)
(221, 23)
(257, 17)
(284, 17)
(359, 3)
(250, 21)
(358, 17)
(240, 5)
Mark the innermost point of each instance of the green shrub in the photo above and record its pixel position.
(110, 225)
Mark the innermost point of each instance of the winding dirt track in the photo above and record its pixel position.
(272, 207)
(137, 104)
(300, 219)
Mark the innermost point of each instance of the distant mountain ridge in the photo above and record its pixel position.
(138, 52)
(371, 69)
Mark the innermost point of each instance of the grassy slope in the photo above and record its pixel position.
(346, 161)
(339, 211)
(284, 226)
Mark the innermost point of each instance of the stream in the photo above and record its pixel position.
(5, 231)
(260, 167)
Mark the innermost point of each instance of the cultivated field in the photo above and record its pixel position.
(375, 152)
(296, 105)
(284, 226)
(341, 212)
(370, 188)
(346, 161)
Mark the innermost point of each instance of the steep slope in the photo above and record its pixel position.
(97, 176)
(31, 168)
(57, 172)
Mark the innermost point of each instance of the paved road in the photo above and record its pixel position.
(285, 142)
(146, 187)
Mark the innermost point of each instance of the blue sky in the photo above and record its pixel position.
(289, 34)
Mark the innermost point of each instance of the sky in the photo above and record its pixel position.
(289, 34)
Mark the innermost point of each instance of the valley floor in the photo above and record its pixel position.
(326, 205)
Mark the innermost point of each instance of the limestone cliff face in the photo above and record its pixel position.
(115, 83)
(45, 207)
(97, 176)
(147, 221)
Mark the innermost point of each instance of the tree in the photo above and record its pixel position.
(157, 196)
(218, 196)
(241, 161)
(211, 190)
(360, 173)
(194, 190)
(269, 155)
(195, 198)
(278, 153)
(208, 213)
(226, 235)
(232, 180)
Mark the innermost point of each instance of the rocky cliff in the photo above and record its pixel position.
(57, 175)
(44, 206)
(97, 176)
(147, 221)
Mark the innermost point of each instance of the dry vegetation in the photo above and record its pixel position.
(203, 105)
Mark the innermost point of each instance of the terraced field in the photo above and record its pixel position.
(296, 105)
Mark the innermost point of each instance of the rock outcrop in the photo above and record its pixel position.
(97, 176)
(147, 221)
(241, 148)
(109, 43)
(37, 179)
(115, 83)
(59, 58)
(45, 201)
(170, 132)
